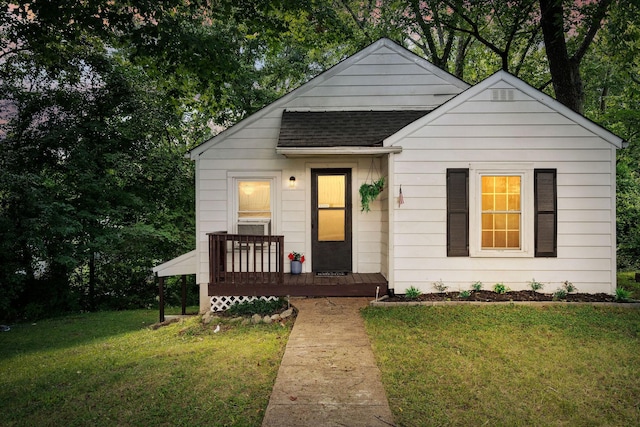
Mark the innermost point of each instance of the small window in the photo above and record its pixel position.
(254, 200)
(501, 212)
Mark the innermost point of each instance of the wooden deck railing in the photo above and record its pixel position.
(245, 259)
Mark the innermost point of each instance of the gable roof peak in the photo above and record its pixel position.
(518, 84)
(283, 101)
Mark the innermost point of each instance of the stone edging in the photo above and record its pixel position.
(529, 303)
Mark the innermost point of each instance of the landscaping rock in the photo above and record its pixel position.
(275, 317)
(245, 321)
(267, 319)
(237, 319)
(287, 313)
(256, 318)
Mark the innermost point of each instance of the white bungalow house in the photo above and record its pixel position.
(497, 183)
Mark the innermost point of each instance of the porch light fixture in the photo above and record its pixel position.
(292, 182)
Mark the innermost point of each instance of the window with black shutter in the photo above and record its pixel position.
(546, 213)
(457, 212)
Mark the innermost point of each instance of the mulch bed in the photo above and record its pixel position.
(489, 296)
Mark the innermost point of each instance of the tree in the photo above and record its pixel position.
(565, 68)
(82, 146)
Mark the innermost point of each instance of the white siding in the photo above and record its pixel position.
(505, 132)
(384, 78)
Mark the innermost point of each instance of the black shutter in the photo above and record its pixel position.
(457, 212)
(546, 213)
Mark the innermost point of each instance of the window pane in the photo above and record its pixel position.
(487, 202)
(487, 239)
(501, 216)
(331, 191)
(254, 199)
(331, 225)
(513, 222)
(514, 202)
(513, 239)
(487, 221)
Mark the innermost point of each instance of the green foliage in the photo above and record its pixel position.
(569, 287)
(499, 288)
(627, 281)
(412, 293)
(464, 294)
(258, 306)
(477, 286)
(535, 286)
(622, 295)
(560, 294)
(440, 286)
(370, 192)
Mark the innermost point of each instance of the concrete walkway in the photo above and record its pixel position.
(328, 375)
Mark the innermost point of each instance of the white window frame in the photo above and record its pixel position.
(525, 172)
(233, 178)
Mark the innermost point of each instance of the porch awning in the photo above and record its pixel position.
(334, 151)
(184, 264)
(341, 129)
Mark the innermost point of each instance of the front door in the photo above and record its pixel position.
(331, 220)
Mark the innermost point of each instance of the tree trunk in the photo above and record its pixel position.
(565, 73)
(92, 281)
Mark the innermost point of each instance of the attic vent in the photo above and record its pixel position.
(502, 95)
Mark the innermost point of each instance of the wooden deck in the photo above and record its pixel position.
(305, 284)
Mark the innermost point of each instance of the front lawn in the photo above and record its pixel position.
(106, 369)
(509, 365)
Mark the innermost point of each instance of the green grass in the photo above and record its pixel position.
(105, 369)
(627, 281)
(509, 365)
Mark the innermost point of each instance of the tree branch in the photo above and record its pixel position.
(426, 30)
(475, 32)
(530, 42)
(598, 16)
(356, 20)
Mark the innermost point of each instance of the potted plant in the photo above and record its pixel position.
(370, 192)
(296, 262)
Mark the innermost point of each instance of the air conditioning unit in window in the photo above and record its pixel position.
(254, 227)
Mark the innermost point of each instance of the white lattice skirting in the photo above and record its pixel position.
(222, 303)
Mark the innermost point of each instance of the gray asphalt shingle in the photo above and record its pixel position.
(342, 128)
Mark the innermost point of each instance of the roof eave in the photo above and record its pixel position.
(336, 151)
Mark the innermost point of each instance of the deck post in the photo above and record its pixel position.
(161, 302)
(184, 294)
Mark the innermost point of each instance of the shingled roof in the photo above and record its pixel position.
(342, 128)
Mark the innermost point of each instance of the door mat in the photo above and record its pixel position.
(331, 273)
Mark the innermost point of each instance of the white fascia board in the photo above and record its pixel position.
(517, 84)
(336, 151)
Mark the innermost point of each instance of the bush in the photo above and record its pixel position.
(440, 286)
(500, 288)
(535, 286)
(622, 295)
(477, 286)
(560, 294)
(412, 293)
(258, 306)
